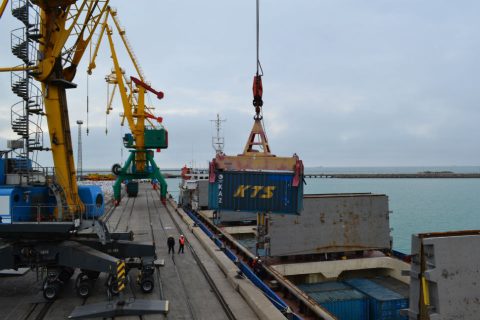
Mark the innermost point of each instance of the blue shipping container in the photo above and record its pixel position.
(323, 286)
(270, 192)
(343, 304)
(384, 304)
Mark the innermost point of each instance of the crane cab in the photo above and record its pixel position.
(155, 138)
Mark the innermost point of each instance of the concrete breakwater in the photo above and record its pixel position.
(427, 174)
(173, 173)
(444, 175)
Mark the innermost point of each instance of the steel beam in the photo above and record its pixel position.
(122, 248)
(120, 308)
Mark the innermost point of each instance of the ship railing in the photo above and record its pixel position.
(45, 213)
(30, 174)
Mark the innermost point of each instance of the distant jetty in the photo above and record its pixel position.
(424, 174)
(175, 173)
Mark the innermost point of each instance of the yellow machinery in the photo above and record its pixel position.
(143, 138)
(66, 28)
(3, 6)
(51, 47)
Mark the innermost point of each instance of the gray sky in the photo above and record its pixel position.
(347, 83)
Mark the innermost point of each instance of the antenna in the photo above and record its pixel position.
(218, 141)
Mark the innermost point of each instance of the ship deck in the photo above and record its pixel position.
(189, 281)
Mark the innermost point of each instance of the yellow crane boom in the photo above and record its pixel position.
(3, 6)
(59, 21)
(66, 28)
(133, 97)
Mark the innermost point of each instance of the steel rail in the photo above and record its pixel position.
(177, 272)
(209, 279)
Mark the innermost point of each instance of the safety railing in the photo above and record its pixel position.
(46, 213)
(23, 47)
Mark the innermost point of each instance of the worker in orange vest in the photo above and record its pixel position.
(181, 242)
(253, 262)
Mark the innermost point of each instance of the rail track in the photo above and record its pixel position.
(191, 250)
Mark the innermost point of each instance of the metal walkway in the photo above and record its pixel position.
(184, 279)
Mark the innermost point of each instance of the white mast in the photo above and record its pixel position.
(218, 141)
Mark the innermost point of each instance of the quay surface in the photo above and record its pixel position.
(189, 281)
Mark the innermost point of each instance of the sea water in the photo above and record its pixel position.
(416, 205)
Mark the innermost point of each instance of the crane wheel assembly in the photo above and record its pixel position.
(60, 250)
(116, 169)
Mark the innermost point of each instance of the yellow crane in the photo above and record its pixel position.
(143, 138)
(66, 28)
(51, 48)
(3, 6)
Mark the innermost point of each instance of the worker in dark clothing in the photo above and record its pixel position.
(258, 268)
(181, 242)
(171, 244)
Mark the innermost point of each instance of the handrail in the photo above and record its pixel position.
(44, 212)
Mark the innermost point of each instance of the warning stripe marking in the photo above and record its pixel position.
(120, 266)
(121, 274)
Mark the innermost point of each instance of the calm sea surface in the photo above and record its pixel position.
(417, 205)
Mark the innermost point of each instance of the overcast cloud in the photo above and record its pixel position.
(347, 83)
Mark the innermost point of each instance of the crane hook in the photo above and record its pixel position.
(257, 95)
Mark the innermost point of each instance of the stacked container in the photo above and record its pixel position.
(339, 299)
(384, 304)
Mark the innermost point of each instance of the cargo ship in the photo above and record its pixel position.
(330, 256)
(335, 259)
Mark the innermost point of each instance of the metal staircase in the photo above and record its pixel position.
(27, 114)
